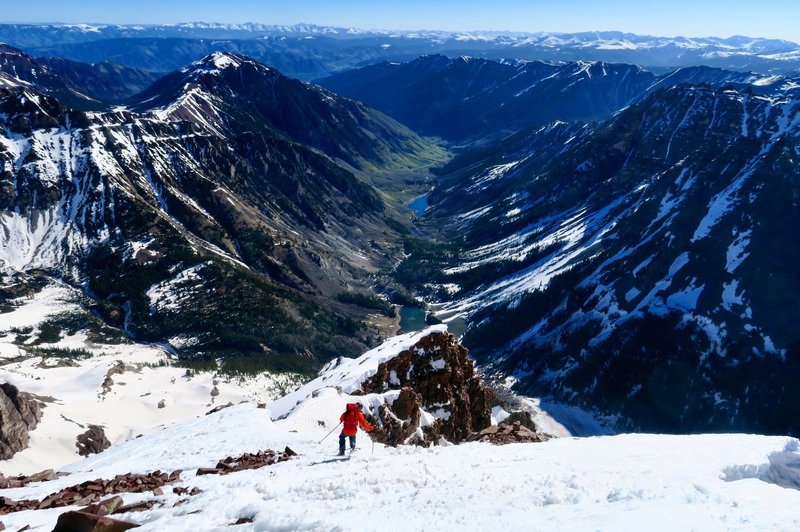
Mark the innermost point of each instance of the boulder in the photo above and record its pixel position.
(104, 507)
(218, 408)
(522, 418)
(92, 441)
(19, 414)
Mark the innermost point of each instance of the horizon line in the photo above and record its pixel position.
(378, 30)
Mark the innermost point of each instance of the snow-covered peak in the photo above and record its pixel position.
(223, 60)
(216, 62)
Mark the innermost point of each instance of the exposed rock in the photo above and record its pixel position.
(104, 507)
(489, 430)
(89, 494)
(505, 432)
(162, 403)
(91, 491)
(77, 521)
(400, 421)
(116, 369)
(19, 414)
(214, 391)
(92, 441)
(436, 375)
(136, 507)
(247, 461)
(523, 418)
(218, 408)
(24, 480)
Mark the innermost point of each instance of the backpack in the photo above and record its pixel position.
(351, 410)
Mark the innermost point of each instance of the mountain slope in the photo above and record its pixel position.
(701, 480)
(108, 82)
(79, 85)
(651, 253)
(225, 92)
(151, 211)
(473, 99)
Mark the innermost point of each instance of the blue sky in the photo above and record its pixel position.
(765, 18)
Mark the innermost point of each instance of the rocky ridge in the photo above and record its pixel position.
(416, 389)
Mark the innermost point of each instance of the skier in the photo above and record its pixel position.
(352, 417)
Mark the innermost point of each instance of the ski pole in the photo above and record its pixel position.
(331, 432)
(373, 447)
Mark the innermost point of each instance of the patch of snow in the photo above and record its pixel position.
(736, 253)
(631, 294)
(730, 296)
(438, 364)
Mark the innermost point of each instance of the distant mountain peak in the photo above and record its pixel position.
(218, 61)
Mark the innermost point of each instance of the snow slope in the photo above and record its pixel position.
(625, 482)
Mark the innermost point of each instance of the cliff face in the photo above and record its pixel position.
(19, 414)
(434, 375)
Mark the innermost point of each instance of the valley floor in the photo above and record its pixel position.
(624, 482)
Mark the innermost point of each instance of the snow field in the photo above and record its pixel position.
(74, 396)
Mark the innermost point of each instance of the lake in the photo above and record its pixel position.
(412, 319)
(419, 205)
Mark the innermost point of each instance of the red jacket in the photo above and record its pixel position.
(352, 418)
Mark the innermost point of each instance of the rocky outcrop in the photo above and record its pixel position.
(91, 491)
(19, 414)
(434, 375)
(92, 441)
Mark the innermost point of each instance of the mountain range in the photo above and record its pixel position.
(309, 51)
(464, 99)
(609, 263)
